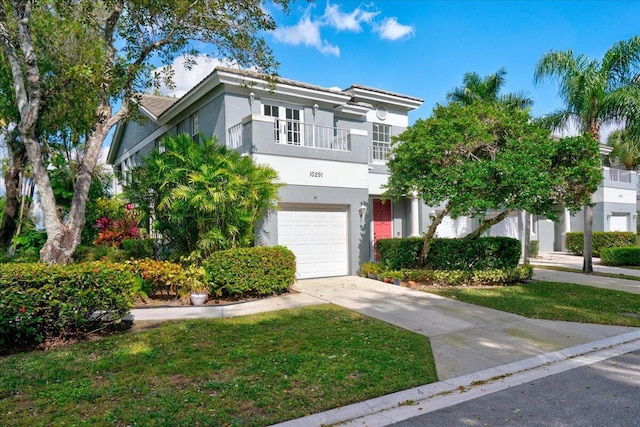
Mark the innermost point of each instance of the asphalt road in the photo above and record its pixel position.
(603, 394)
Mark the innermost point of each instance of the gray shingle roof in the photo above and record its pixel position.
(156, 105)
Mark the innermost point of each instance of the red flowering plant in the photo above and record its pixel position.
(114, 230)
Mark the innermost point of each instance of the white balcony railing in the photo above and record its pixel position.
(294, 132)
(617, 175)
(235, 137)
(379, 154)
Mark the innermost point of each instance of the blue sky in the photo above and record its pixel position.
(423, 48)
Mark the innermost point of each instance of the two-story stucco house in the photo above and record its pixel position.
(328, 146)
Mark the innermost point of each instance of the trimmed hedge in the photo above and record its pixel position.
(600, 240)
(492, 277)
(38, 301)
(451, 254)
(627, 255)
(250, 271)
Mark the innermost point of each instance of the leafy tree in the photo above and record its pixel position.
(487, 89)
(482, 157)
(202, 196)
(132, 33)
(66, 107)
(626, 149)
(594, 92)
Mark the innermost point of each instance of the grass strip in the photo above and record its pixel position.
(554, 301)
(246, 371)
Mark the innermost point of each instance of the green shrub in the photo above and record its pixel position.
(38, 301)
(159, 277)
(627, 255)
(600, 240)
(534, 248)
(89, 253)
(400, 253)
(139, 248)
(490, 277)
(451, 254)
(250, 271)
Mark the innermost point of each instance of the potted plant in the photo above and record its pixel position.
(396, 276)
(370, 269)
(195, 286)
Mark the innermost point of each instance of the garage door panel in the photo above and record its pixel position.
(318, 239)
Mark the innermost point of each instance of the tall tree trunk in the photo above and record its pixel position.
(12, 193)
(426, 245)
(526, 253)
(587, 263)
(486, 224)
(61, 245)
(587, 250)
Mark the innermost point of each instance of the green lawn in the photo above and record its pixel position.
(246, 371)
(595, 273)
(554, 301)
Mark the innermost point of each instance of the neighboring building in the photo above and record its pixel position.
(328, 146)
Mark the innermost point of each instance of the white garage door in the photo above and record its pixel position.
(318, 239)
(618, 223)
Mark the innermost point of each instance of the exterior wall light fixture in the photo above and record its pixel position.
(362, 210)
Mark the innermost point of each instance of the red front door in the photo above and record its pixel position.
(381, 221)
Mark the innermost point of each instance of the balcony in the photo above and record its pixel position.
(289, 132)
(617, 175)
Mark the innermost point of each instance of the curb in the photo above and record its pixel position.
(395, 407)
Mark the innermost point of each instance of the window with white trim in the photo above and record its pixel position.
(195, 126)
(381, 141)
(287, 127)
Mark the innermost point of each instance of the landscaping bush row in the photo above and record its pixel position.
(627, 255)
(491, 277)
(600, 240)
(428, 277)
(451, 254)
(38, 301)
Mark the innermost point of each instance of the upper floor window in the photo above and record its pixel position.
(181, 128)
(195, 126)
(381, 141)
(288, 127)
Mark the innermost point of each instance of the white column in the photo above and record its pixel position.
(415, 220)
(567, 221)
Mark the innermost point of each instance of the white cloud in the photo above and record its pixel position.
(306, 32)
(390, 29)
(342, 21)
(184, 78)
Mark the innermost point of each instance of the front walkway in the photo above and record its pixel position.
(561, 259)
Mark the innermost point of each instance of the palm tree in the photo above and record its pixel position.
(626, 149)
(475, 88)
(594, 92)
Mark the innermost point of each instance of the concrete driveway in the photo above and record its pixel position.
(464, 338)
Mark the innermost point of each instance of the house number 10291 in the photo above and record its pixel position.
(315, 174)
